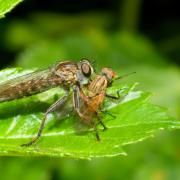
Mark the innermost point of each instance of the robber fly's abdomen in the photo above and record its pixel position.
(27, 88)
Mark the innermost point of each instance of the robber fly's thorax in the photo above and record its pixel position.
(69, 73)
(65, 73)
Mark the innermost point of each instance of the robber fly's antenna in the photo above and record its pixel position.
(120, 77)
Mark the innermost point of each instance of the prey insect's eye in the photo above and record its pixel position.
(86, 69)
(109, 74)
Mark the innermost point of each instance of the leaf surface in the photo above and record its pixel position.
(135, 120)
(7, 5)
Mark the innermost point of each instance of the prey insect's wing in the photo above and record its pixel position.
(24, 85)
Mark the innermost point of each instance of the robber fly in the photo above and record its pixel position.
(64, 74)
(88, 104)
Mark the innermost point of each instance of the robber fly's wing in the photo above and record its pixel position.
(23, 78)
(24, 85)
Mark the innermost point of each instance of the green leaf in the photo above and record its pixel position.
(7, 5)
(135, 120)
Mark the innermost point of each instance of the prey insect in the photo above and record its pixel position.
(64, 74)
(88, 105)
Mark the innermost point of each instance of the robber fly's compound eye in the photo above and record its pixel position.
(86, 69)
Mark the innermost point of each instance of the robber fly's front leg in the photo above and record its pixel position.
(52, 108)
(76, 98)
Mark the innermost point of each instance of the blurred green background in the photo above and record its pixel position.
(126, 35)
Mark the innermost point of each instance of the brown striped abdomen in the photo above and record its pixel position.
(27, 88)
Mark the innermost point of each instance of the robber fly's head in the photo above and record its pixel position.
(85, 71)
(86, 68)
(109, 74)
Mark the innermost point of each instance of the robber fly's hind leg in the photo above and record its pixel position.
(52, 108)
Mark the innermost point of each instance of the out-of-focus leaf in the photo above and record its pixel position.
(42, 55)
(50, 26)
(7, 5)
(136, 119)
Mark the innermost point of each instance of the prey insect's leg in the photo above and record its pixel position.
(96, 132)
(52, 108)
(118, 94)
(106, 112)
(100, 121)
